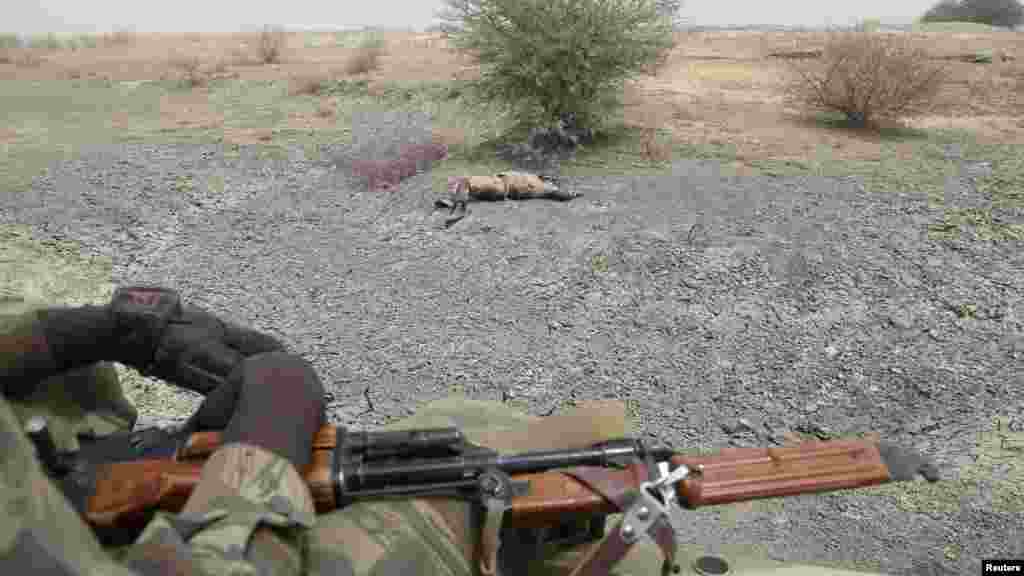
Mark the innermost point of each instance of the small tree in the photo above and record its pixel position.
(944, 11)
(1004, 13)
(868, 76)
(549, 60)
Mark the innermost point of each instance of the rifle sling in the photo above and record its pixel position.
(601, 558)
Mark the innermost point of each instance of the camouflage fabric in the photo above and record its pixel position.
(40, 533)
(89, 401)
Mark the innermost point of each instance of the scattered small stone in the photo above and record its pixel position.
(817, 430)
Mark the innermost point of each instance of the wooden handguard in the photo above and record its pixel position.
(732, 475)
(737, 474)
(124, 490)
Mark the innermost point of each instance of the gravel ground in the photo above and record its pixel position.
(793, 304)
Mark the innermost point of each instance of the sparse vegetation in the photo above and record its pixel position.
(653, 147)
(867, 77)
(47, 42)
(325, 109)
(191, 70)
(9, 41)
(10, 44)
(869, 25)
(271, 44)
(120, 37)
(82, 42)
(312, 84)
(367, 56)
(549, 60)
(21, 57)
(243, 56)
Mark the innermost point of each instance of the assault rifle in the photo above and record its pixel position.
(530, 490)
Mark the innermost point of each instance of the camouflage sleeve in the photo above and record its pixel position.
(40, 531)
(249, 514)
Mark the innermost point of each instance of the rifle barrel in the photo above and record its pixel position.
(374, 475)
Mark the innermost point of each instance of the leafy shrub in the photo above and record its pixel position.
(271, 44)
(550, 59)
(367, 56)
(1005, 13)
(82, 42)
(44, 42)
(869, 25)
(868, 76)
(979, 57)
(10, 44)
(944, 11)
(9, 41)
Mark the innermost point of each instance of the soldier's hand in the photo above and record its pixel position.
(279, 405)
(180, 343)
(146, 328)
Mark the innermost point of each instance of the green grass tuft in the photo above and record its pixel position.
(956, 28)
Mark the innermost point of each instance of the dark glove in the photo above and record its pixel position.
(279, 407)
(905, 464)
(152, 331)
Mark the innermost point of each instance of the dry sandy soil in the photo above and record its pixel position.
(717, 87)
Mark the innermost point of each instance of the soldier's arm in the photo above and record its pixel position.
(251, 505)
(248, 512)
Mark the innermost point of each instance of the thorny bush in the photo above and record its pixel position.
(868, 76)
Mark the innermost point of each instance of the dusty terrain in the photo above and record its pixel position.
(717, 86)
(724, 304)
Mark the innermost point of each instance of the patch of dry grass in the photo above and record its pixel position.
(326, 108)
(120, 37)
(653, 148)
(22, 57)
(311, 84)
(243, 56)
(366, 57)
(190, 70)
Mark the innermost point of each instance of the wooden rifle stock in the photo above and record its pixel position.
(125, 491)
